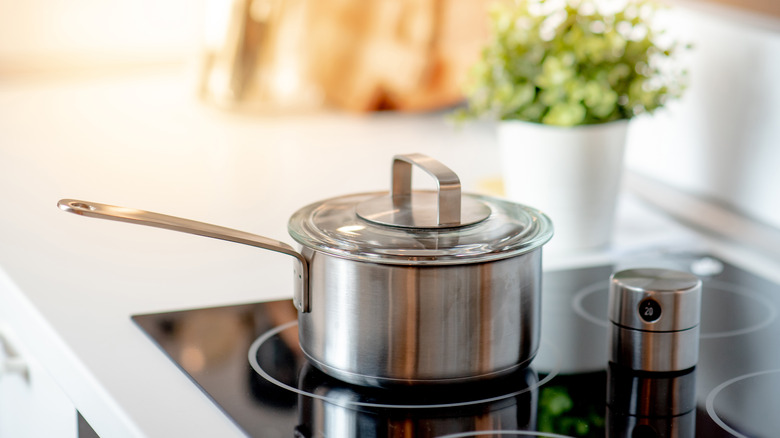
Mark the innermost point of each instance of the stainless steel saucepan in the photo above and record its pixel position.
(407, 287)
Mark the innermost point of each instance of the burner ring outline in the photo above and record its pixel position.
(252, 356)
(710, 401)
(723, 286)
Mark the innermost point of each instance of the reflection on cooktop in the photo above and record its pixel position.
(328, 408)
(438, 397)
(247, 359)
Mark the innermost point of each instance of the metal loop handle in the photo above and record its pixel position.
(447, 185)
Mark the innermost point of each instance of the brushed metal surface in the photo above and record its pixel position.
(667, 339)
(447, 185)
(443, 208)
(677, 293)
(654, 351)
(374, 324)
(418, 210)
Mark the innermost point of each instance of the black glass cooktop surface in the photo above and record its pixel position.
(246, 358)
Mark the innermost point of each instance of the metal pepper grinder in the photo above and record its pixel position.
(655, 316)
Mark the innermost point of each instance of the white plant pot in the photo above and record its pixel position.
(572, 174)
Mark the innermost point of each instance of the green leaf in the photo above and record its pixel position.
(565, 114)
(573, 66)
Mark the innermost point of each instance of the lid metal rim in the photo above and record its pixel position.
(543, 235)
(448, 260)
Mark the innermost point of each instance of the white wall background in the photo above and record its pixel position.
(56, 34)
(722, 140)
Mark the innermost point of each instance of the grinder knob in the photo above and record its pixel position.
(655, 316)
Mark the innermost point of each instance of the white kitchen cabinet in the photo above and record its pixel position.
(31, 402)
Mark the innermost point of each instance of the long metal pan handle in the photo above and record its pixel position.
(447, 184)
(301, 296)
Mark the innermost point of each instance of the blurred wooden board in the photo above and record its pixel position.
(393, 54)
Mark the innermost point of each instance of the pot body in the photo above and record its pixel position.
(382, 325)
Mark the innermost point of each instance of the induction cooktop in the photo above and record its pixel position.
(246, 358)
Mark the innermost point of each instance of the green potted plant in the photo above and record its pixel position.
(562, 79)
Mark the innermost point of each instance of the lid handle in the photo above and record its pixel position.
(447, 184)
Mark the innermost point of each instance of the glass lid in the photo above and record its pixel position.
(420, 227)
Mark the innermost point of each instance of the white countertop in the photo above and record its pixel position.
(68, 285)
